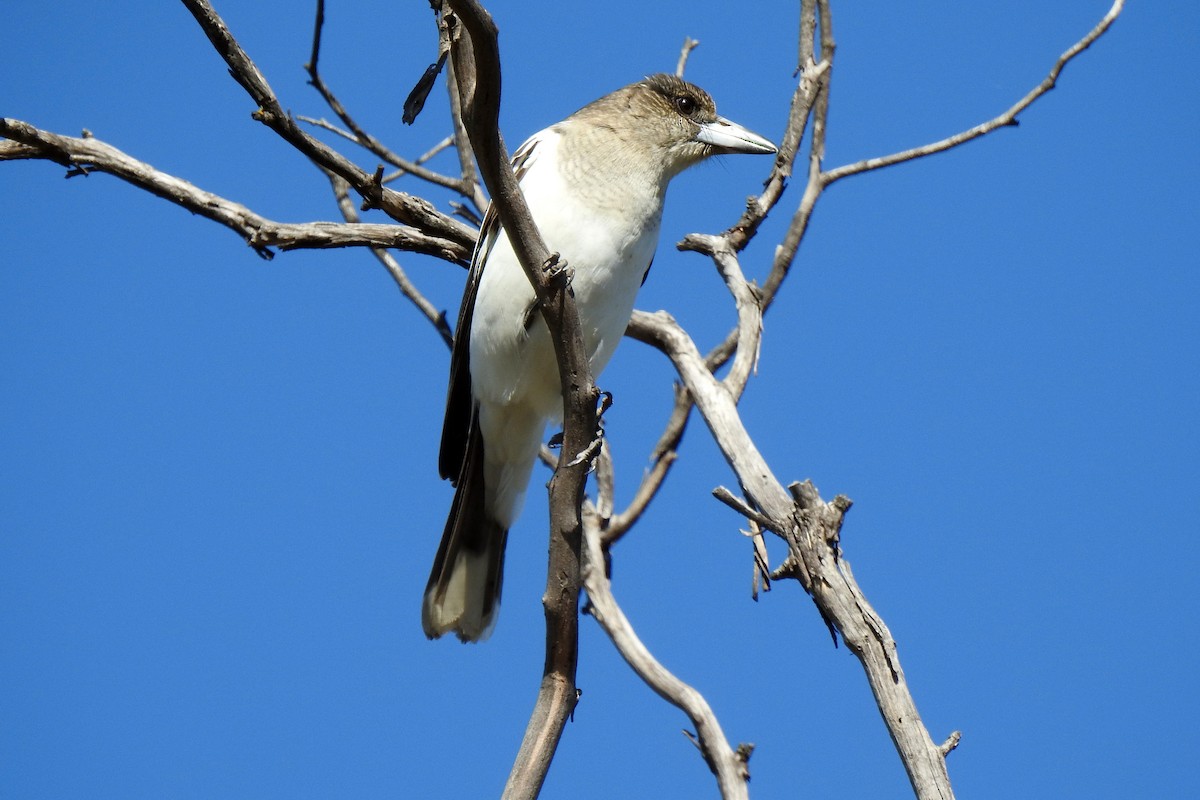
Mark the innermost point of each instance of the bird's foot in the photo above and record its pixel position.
(558, 270)
(592, 450)
(589, 453)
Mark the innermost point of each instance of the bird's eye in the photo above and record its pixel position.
(685, 105)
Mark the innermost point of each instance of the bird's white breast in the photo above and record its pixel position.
(607, 239)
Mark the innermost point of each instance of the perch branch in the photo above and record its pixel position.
(476, 62)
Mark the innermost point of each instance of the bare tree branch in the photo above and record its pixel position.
(814, 78)
(735, 239)
(746, 300)
(811, 96)
(421, 159)
(88, 154)
(812, 535)
(761, 571)
(462, 143)
(728, 765)
(325, 124)
(661, 460)
(739, 505)
(730, 242)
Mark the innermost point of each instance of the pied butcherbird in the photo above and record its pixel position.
(595, 185)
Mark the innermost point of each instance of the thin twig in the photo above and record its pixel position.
(689, 44)
(761, 569)
(325, 124)
(473, 186)
(662, 458)
(356, 133)
(341, 192)
(739, 505)
(421, 159)
(1008, 118)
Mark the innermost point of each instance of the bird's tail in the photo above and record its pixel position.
(463, 593)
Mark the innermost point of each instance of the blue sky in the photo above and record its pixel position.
(218, 490)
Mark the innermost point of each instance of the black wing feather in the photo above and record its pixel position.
(460, 403)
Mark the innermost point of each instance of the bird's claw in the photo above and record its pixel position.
(558, 270)
(589, 453)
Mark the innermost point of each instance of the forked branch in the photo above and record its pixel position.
(401, 206)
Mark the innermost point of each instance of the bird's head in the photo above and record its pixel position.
(671, 122)
(684, 118)
(653, 130)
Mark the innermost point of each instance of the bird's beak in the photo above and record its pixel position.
(729, 137)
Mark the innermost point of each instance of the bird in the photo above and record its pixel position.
(595, 184)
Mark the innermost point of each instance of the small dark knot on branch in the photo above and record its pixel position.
(743, 753)
(373, 197)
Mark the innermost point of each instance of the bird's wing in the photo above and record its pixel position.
(460, 404)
